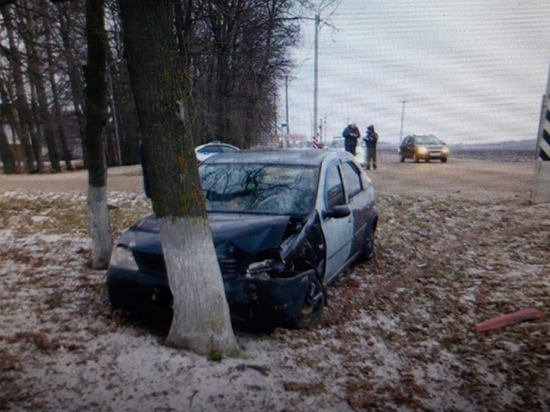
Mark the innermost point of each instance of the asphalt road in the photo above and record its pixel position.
(459, 178)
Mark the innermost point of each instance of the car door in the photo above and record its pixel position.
(360, 201)
(338, 231)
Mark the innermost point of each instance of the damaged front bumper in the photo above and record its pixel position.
(278, 300)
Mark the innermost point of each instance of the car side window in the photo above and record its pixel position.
(334, 190)
(352, 177)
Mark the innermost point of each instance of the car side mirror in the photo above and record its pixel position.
(337, 212)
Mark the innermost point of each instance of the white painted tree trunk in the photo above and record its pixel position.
(102, 242)
(201, 316)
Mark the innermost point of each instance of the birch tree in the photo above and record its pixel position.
(96, 117)
(161, 82)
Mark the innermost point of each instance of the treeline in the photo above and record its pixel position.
(237, 51)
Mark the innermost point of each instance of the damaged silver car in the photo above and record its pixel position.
(285, 224)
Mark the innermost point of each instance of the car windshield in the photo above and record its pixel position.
(259, 189)
(427, 140)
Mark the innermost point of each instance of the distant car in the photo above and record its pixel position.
(423, 147)
(285, 224)
(207, 150)
(338, 143)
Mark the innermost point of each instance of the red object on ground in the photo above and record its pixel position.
(509, 319)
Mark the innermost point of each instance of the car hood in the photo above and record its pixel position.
(250, 233)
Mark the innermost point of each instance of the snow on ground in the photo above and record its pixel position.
(398, 334)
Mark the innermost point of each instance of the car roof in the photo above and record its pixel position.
(306, 157)
(214, 144)
(422, 135)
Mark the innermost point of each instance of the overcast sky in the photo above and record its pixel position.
(470, 70)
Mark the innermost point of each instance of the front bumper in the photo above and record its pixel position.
(432, 155)
(148, 296)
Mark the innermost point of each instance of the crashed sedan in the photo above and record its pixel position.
(284, 223)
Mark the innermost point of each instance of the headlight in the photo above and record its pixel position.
(123, 258)
(422, 150)
(445, 150)
(265, 269)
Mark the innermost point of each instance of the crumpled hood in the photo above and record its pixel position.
(250, 233)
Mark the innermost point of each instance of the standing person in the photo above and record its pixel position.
(351, 135)
(371, 138)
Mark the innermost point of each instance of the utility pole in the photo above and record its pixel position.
(323, 4)
(316, 72)
(402, 118)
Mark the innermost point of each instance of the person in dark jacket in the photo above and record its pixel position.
(351, 135)
(371, 138)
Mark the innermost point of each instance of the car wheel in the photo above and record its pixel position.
(312, 307)
(443, 160)
(401, 158)
(368, 245)
(427, 160)
(416, 158)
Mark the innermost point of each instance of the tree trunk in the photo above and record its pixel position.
(35, 74)
(96, 116)
(7, 155)
(9, 112)
(74, 72)
(36, 131)
(22, 103)
(67, 155)
(129, 123)
(162, 91)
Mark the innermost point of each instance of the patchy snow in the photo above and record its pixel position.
(398, 334)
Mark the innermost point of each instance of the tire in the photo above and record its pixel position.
(312, 307)
(443, 160)
(368, 245)
(401, 158)
(427, 160)
(416, 159)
